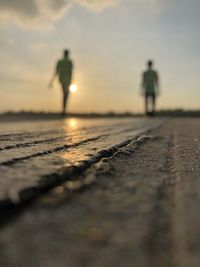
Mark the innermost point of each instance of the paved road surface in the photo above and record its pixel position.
(139, 206)
(40, 153)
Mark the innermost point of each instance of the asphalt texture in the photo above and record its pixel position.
(38, 155)
(137, 205)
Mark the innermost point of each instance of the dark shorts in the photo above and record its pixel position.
(153, 96)
(65, 84)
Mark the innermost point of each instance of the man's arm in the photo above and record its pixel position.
(71, 71)
(142, 86)
(157, 84)
(57, 68)
(54, 75)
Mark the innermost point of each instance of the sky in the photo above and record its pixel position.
(110, 42)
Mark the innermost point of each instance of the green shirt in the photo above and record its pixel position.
(64, 69)
(150, 81)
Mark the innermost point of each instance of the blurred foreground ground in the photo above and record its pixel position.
(134, 204)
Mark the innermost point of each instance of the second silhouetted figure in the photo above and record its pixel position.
(150, 87)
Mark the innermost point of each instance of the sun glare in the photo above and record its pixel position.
(73, 123)
(73, 88)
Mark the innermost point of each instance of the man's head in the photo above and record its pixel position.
(150, 64)
(66, 53)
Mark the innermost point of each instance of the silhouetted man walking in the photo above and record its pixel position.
(64, 70)
(150, 87)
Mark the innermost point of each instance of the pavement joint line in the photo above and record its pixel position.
(38, 133)
(29, 144)
(49, 182)
(13, 161)
(56, 149)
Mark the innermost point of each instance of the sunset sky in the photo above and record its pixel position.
(110, 41)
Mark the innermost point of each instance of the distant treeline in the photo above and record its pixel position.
(30, 115)
(179, 113)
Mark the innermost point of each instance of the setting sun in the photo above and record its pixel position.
(73, 88)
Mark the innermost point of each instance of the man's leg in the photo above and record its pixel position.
(153, 104)
(146, 104)
(65, 96)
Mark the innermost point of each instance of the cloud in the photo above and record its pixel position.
(44, 12)
(22, 8)
(153, 6)
(98, 5)
(33, 13)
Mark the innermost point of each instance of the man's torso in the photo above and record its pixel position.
(64, 70)
(150, 81)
